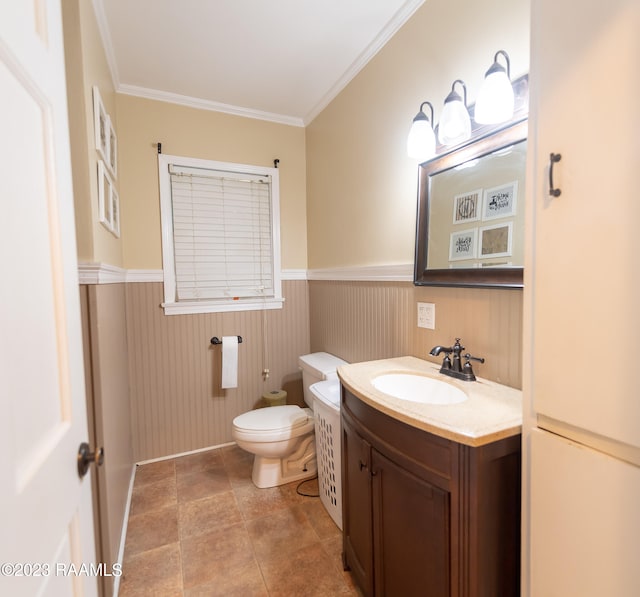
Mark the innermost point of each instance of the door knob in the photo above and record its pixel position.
(86, 457)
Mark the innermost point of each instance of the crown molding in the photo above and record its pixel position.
(107, 44)
(375, 273)
(202, 104)
(399, 19)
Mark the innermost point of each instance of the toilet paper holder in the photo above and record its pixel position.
(216, 340)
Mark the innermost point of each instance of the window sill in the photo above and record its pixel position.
(186, 308)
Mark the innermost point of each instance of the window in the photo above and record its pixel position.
(220, 236)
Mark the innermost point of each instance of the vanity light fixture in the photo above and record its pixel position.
(455, 123)
(495, 101)
(421, 143)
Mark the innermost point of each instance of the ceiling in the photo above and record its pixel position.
(282, 60)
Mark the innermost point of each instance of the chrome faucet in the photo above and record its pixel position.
(455, 368)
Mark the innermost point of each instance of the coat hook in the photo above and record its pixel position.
(276, 162)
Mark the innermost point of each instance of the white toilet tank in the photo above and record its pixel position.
(317, 366)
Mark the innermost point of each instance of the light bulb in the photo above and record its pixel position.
(421, 143)
(455, 124)
(495, 101)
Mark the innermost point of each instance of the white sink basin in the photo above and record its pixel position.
(418, 388)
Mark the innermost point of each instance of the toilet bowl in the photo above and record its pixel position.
(282, 437)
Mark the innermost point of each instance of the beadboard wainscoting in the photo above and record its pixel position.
(368, 320)
(177, 404)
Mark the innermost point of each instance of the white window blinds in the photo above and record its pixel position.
(223, 240)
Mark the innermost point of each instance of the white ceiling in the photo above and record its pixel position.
(280, 60)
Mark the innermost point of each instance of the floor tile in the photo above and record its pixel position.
(154, 471)
(304, 572)
(239, 465)
(243, 581)
(154, 572)
(320, 520)
(208, 514)
(301, 492)
(201, 461)
(281, 533)
(154, 496)
(256, 503)
(208, 557)
(151, 529)
(202, 484)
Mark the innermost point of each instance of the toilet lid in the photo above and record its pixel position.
(272, 418)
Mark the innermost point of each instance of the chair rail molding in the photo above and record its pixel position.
(103, 273)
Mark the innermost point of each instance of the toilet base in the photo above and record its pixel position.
(271, 472)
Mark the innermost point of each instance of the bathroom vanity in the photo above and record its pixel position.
(431, 493)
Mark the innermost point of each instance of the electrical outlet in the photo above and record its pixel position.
(427, 316)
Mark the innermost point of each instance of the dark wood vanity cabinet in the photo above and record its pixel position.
(424, 515)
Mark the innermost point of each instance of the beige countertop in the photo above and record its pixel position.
(491, 412)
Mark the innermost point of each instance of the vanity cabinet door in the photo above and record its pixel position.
(356, 505)
(411, 533)
(583, 278)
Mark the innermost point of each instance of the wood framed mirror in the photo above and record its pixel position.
(470, 219)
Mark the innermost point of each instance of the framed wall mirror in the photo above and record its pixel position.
(470, 220)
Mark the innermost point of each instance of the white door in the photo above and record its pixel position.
(45, 509)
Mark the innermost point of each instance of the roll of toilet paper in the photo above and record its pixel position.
(229, 362)
(275, 398)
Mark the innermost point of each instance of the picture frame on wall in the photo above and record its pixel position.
(115, 212)
(495, 241)
(101, 125)
(500, 201)
(463, 244)
(104, 195)
(108, 201)
(112, 162)
(466, 206)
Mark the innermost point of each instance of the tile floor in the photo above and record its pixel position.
(199, 527)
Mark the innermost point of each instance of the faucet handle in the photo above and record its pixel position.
(472, 358)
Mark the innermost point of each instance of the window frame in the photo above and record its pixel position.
(172, 306)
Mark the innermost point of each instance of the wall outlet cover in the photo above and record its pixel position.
(427, 316)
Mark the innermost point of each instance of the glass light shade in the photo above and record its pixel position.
(455, 124)
(421, 143)
(495, 101)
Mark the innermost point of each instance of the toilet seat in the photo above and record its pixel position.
(274, 423)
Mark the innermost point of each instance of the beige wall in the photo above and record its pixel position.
(210, 135)
(361, 186)
(87, 66)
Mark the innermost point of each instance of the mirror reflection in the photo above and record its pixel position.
(476, 212)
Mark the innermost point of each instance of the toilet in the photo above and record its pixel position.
(282, 437)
